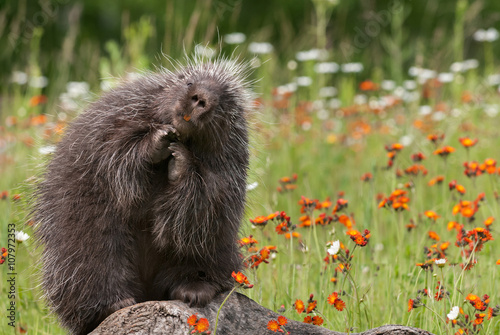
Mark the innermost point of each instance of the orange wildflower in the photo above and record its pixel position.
(247, 241)
(345, 220)
(425, 266)
(307, 204)
(479, 318)
(241, 279)
(397, 200)
(333, 299)
(38, 120)
(466, 97)
(317, 320)
(368, 85)
(394, 147)
(418, 157)
(299, 306)
(444, 246)
(454, 225)
(282, 320)
(473, 169)
(489, 221)
(192, 320)
(493, 311)
(3, 255)
(293, 234)
(481, 234)
(416, 169)
(358, 238)
(433, 235)
(339, 305)
(37, 100)
(411, 225)
(202, 325)
(467, 142)
(460, 189)
(367, 177)
(466, 208)
(478, 303)
(259, 221)
(444, 151)
(305, 221)
(325, 204)
(282, 228)
(436, 180)
(340, 205)
(272, 216)
(287, 183)
(311, 306)
(261, 257)
(432, 215)
(323, 220)
(411, 304)
(489, 165)
(342, 268)
(435, 138)
(273, 326)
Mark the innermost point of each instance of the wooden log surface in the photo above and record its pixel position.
(239, 315)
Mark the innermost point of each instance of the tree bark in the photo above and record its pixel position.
(239, 315)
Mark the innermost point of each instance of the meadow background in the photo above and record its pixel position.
(350, 94)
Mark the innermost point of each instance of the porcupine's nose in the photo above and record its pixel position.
(203, 100)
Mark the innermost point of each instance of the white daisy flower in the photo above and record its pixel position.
(453, 313)
(334, 248)
(440, 262)
(235, 38)
(21, 236)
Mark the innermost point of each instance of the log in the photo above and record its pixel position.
(239, 315)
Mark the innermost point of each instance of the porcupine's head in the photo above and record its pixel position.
(207, 102)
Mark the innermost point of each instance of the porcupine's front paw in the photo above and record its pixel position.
(195, 294)
(180, 161)
(161, 140)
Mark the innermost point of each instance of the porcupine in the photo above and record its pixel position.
(145, 192)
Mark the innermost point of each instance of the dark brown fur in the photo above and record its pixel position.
(139, 204)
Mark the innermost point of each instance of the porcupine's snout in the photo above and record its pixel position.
(203, 99)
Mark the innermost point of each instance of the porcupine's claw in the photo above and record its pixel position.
(161, 140)
(179, 162)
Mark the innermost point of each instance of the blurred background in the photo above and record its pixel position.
(86, 40)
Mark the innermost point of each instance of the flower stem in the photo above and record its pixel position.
(218, 311)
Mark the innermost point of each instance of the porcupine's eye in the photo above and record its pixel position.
(189, 84)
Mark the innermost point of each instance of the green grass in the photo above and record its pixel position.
(385, 278)
(329, 154)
